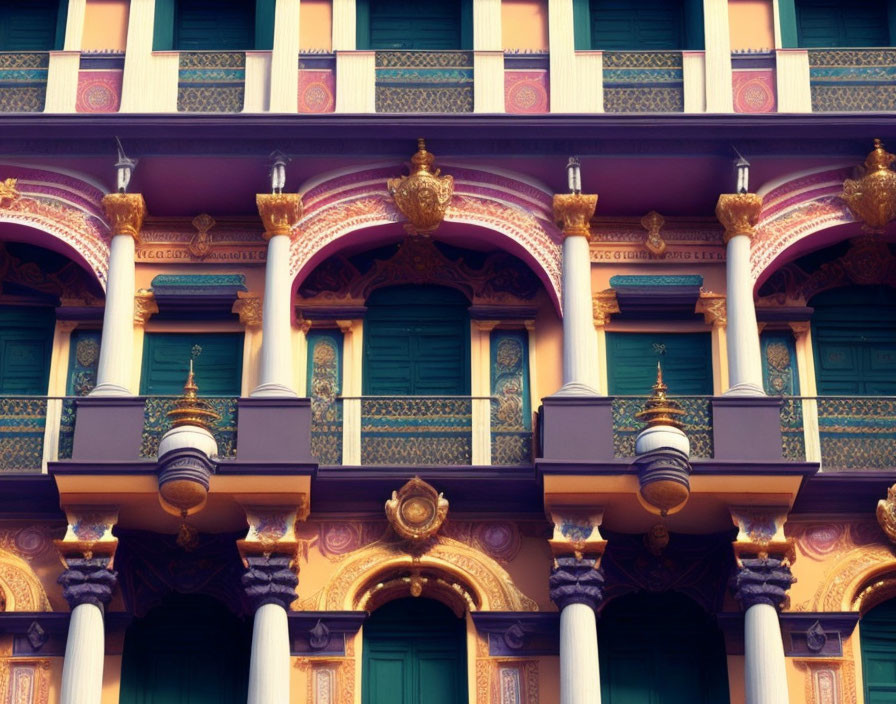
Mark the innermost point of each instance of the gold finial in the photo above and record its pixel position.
(422, 160)
(189, 409)
(659, 410)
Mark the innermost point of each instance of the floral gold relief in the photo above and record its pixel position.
(125, 212)
(424, 195)
(280, 212)
(872, 198)
(8, 191)
(738, 213)
(573, 213)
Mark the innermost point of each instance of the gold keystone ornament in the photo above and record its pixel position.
(423, 196)
(416, 511)
(872, 198)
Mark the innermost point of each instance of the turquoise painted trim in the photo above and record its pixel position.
(199, 280)
(163, 26)
(264, 24)
(623, 280)
(787, 23)
(581, 24)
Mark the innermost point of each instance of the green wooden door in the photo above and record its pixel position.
(218, 25)
(29, 25)
(409, 24)
(842, 23)
(854, 335)
(628, 25)
(189, 650)
(660, 649)
(217, 360)
(877, 631)
(414, 653)
(416, 342)
(686, 360)
(26, 343)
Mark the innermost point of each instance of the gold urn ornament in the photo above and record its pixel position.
(872, 198)
(416, 511)
(424, 195)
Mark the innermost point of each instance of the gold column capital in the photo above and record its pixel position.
(125, 212)
(279, 212)
(738, 213)
(573, 213)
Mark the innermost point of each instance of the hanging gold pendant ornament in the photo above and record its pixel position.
(416, 511)
(424, 195)
(872, 198)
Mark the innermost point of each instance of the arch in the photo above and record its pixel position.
(507, 210)
(860, 579)
(796, 209)
(450, 572)
(19, 586)
(59, 210)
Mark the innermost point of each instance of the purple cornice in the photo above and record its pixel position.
(843, 492)
(29, 495)
(44, 633)
(704, 467)
(824, 641)
(519, 634)
(323, 633)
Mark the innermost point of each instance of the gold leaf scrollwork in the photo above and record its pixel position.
(416, 511)
(573, 213)
(872, 198)
(738, 213)
(653, 222)
(423, 195)
(8, 192)
(125, 212)
(201, 243)
(280, 212)
(886, 514)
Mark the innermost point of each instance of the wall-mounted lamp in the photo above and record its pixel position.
(278, 171)
(743, 174)
(124, 167)
(574, 175)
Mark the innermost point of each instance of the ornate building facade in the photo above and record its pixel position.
(474, 351)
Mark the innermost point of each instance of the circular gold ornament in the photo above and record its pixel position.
(416, 511)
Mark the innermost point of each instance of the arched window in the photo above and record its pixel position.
(414, 653)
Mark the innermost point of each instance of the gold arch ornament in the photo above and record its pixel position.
(20, 588)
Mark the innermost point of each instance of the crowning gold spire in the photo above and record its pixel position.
(189, 409)
(659, 410)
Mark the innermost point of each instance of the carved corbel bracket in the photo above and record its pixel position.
(738, 213)
(577, 532)
(280, 212)
(145, 306)
(89, 533)
(573, 213)
(760, 533)
(423, 195)
(603, 305)
(713, 307)
(272, 530)
(125, 212)
(872, 198)
(249, 307)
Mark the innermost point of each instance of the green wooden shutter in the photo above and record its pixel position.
(264, 24)
(217, 25)
(877, 631)
(26, 343)
(581, 22)
(163, 26)
(30, 25)
(842, 23)
(409, 24)
(627, 25)
(218, 363)
(416, 342)
(787, 23)
(686, 359)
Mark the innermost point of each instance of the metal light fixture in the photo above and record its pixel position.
(574, 175)
(124, 167)
(742, 167)
(278, 171)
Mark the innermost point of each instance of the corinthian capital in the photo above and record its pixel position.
(738, 213)
(279, 212)
(573, 213)
(125, 212)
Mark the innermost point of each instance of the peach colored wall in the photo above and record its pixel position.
(752, 24)
(105, 25)
(316, 25)
(524, 24)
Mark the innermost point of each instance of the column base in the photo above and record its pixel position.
(745, 388)
(108, 389)
(576, 388)
(273, 390)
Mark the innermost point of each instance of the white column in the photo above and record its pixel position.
(82, 669)
(793, 82)
(744, 360)
(579, 672)
(719, 90)
(764, 664)
(285, 57)
(561, 39)
(579, 344)
(125, 212)
(276, 374)
(269, 664)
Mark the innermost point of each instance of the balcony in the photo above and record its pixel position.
(852, 80)
(23, 81)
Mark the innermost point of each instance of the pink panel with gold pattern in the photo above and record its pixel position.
(754, 90)
(317, 91)
(99, 91)
(526, 91)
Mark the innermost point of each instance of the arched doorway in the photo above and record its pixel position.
(878, 641)
(660, 649)
(414, 652)
(854, 330)
(188, 650)
(417, 342)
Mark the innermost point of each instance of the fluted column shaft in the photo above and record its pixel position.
(125, 212)
(576, 589)
(739, 213)
(271, 586)
(87, 586)
(580, 370)
(279, 212)
(761, 588)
